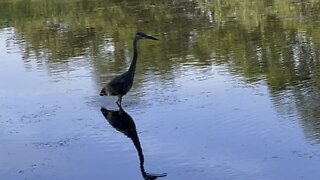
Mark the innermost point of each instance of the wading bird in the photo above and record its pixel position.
(120, 85)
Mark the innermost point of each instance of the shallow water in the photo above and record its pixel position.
(231, 90)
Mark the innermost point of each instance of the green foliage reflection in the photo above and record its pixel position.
(274, 40)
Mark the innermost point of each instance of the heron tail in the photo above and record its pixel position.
(103, 92)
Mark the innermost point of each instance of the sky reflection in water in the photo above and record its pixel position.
(217, 98)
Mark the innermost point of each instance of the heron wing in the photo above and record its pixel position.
(118, 85)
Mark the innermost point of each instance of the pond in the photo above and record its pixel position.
(230, 91)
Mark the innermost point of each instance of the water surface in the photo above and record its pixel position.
(231, 90)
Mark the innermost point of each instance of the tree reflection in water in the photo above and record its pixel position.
(273, 42)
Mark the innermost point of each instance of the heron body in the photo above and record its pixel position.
(121, 84)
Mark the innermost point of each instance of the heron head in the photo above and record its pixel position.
(141, 35)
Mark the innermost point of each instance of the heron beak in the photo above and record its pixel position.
(150, 37)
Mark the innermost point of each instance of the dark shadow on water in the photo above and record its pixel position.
(124, 123)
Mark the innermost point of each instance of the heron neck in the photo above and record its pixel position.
(136, 142)
(132, 67)
(133, 135)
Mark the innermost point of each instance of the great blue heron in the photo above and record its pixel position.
(120, 85)
(124, 123)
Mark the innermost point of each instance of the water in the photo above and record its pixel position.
(231, 90)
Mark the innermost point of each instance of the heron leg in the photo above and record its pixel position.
(119, 100)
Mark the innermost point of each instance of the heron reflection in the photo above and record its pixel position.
(124, 123)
